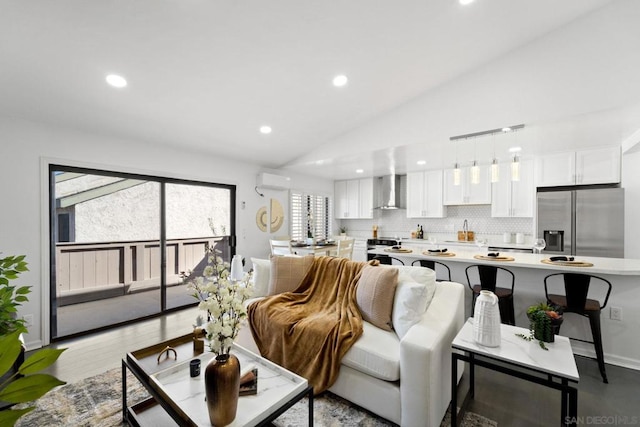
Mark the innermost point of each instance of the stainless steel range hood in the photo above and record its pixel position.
(390, 192)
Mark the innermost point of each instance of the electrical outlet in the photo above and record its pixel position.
(615, 313)
(28, 320)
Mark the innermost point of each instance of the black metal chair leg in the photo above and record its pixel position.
(594, 320)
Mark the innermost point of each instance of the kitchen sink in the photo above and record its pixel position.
(469, 242)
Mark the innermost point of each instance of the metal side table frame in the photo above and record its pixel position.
(554, 368)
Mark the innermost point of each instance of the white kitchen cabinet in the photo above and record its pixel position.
(583, 167)
(513, 198)
(598, 166)
(354, 198)
(424, 195)
(365, 198)
(467, 193)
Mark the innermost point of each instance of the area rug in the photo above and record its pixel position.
(97, 402)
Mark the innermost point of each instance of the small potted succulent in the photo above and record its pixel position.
(343, 230)
(545, 321)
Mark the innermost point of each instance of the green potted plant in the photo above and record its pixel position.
(20, 380)
(343, 230)
(545, 321)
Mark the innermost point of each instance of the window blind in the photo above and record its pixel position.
(310, 212)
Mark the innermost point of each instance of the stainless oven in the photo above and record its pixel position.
(381, 243)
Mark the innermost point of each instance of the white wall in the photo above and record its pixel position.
(27, 147)
(631, 184)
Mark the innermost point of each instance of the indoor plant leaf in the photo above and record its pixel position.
(10, 346)
(8, 417)
(29, 388)
(40, 360)
(23, 290)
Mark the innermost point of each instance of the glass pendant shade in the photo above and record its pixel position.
(515, 169)
(495, 171)
(475, 173)
(456, 175)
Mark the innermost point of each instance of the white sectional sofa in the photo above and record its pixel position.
(405, 378)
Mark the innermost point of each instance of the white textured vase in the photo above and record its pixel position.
(486, 320)
(236, 268)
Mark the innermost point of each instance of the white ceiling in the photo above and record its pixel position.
(205, 75)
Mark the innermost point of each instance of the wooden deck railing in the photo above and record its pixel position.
(119, 268)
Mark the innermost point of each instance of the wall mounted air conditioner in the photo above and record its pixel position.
(274, 182)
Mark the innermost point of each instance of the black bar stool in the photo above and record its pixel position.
(575, 300)
(388, 260)
(435, 266)
(489, 276)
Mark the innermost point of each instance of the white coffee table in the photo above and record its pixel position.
(178, 398)
(554, 367)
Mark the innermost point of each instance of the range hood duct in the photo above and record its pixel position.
(390, 191)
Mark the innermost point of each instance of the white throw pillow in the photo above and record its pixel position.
(261, 276)
(412, 297)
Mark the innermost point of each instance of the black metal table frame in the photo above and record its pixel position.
(569, 404)
(129, 418)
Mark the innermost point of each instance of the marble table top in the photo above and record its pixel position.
(557, 360)
(276, 387)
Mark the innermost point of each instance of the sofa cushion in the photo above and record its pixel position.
(287, 272)
(412, 298)
(414, 273)
(261, 276)
(374, 295)
(376, 353)
(409, 304)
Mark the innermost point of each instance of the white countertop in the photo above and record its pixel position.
(615, 266)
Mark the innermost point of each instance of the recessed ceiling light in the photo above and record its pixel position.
(116, 80)
(341, 80)
(421, 162)
(515, 149)
(265, 130)
(466, 2)
(359, 170)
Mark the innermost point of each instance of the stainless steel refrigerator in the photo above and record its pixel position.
(588, 222)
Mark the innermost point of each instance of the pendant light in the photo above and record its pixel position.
(456, 169)
(515, 164)
(495, 168)
(515, 168)
(475, 173)
(475, 169)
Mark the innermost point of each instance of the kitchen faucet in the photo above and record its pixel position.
(465, 230)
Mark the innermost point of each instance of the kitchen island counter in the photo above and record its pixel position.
(620, 337)
(615, 266)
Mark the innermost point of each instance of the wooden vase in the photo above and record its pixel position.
(222, 385)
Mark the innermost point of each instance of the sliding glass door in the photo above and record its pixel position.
(119, 243)
(197, 217)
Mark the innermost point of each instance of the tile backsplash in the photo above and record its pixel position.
(394, 223)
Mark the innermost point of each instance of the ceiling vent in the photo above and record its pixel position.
(273, 182)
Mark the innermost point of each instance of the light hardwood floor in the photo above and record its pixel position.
(96, 353)
(509, 401)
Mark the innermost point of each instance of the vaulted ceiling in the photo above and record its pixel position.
(206, 75)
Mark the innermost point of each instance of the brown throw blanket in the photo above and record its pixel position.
(309, 330)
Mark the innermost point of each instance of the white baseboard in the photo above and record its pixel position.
(33, 345)
(587, 350)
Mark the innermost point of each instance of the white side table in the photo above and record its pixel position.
(554, 367)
